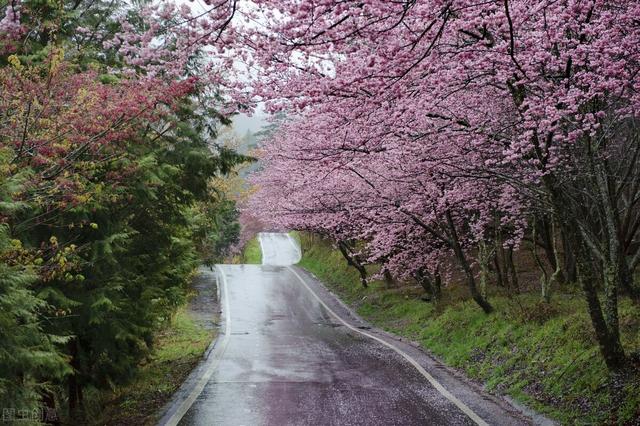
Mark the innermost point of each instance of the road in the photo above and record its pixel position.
(285, 358)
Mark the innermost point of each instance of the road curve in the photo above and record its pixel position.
(284, 358)
(278, 249)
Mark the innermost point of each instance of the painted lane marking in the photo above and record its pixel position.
(217, 357)
(260, 234)
(296, 247)
(443, 391)
(275, 238)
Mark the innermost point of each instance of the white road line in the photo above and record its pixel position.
(261, 246)
(216, 355)
(443, 391)
(296, 247)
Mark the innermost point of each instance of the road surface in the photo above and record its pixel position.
(283, 358)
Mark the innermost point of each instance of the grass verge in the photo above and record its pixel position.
(252, 253)
(177, 350)
(543, 356)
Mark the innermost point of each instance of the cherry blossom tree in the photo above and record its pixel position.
(459, 119)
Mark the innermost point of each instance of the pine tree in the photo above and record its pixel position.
(29, 357)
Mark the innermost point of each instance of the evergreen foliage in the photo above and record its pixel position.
(28, 355)
(107, 202)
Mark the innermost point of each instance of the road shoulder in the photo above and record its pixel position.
(205, 306)
(491, 408)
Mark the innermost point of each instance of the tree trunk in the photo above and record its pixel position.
(570, 267)
(49, 414)
(81, 399)
(484, 256)
(388, 279)
(496, 264)
(592, 249)
(462, 259)
(423, 280)
(437, 285)
(430, 283)
(511, 267)
(72, 381)
(557, 277)
(544, 278)
(613, 260)
(353, 261)
(608, 339)
(625, 277)
(547, 244)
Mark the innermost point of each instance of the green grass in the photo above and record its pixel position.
(543, 356)
(252, 253)
(177, 350)
(296, 236)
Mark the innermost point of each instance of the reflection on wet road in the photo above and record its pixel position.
(278, 249)
(287, 361)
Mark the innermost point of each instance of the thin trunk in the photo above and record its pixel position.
(423, 280)
(352, 260)
(505, 267)
(501, 276)
(437, 285)
(49, 414)
(462, 259)
(608, 342)
(556, 277)
(81, 400)
(511, 267)
(431, 284)
(569, 261)
(388, 279)
(496, 264)
(544, 278)
(547, 234)
(604, 321)
(625, 277)
(552, 250)
(72, 381)
(484, 256)
(614, 258)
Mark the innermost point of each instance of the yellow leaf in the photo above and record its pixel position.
(15, 62)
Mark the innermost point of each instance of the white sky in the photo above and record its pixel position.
(242, 122)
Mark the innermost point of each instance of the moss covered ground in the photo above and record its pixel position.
(177, 350)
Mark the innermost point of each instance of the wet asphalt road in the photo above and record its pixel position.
(287, 361)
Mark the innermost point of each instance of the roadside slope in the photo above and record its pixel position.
(546, 358)
(177, 350)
